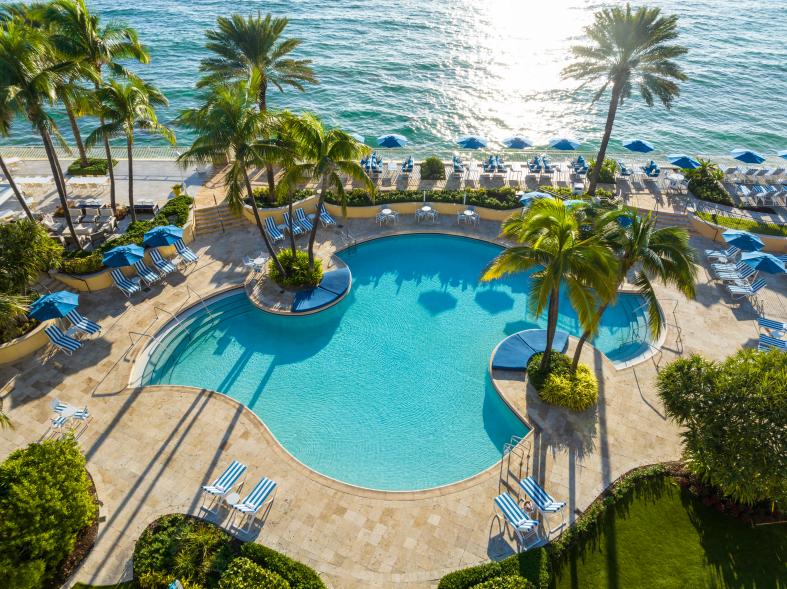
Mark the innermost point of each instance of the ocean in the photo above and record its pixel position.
(433, 71)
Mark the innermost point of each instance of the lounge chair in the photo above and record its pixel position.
(543, 500)
(524, 528)
(128, 286)
(262, 493)
(303, 221)
(734, 275)
(292, 226)
(146, 273)
(325, 217)
(273, 230)
(771, 325)
(64, 343)
(185, 252)
(58, 406)
(224, 484)
(163, 265)
(740, 292)
(82, 323)
(723, 254)
(768, 343)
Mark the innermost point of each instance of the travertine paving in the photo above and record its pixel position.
(149, 450)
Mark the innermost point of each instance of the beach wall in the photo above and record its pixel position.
(24, 346)
(773, 243)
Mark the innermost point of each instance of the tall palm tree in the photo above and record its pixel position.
(229, 123)
(29, 76)
(80, 36)
(125, 107)
(6, 116)
(323, 156)
(253, 47)
(662, 255)
(553, 246)
(628, 47)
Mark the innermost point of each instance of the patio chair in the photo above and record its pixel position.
(254, 264)
(82, 323)
(128, 286)
(325, 217)
(771, 325)
(146, 273)
(224, 483)
(263, 493)
(768, 343)
(724, 254)
(292, 226)
(273, 230)
(303, 221)
(61, 341)
(735, 275)
(543, 500)
(185, 252)
(525, 529)
(163, 265)
(741, 292)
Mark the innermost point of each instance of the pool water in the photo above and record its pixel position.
(389, 389)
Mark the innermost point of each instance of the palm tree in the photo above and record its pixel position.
(229, 123)
(6, 115)
(125, 107)
(662, 255)
(253, 48)
(628, 48)
(29, 76)
(553, 246)
(79, 35)
(323, 156)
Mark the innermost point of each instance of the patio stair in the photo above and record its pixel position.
(216, 219)
(668, 219)
(46, 284)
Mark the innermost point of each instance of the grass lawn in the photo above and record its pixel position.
(745, 224)
(666, 538)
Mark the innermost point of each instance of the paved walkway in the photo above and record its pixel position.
(149, 450)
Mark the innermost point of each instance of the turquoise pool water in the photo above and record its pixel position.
(389, 389)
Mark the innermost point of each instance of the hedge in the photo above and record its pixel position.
(298, 575)
(96, 166)
(245, 574)
(745, 224)
(492, 198)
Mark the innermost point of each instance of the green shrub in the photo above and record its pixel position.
(704, 183)
(299, 275)
(508, 582)
(263, 202)
(578, 391)
(559, 364)
(608, 170)
(745, 224)
(26, 249)
(45, 502)
(503, 198)
(96, 166)
(83, 265)
(432, 168)
(15, 324)
(298, 575)
(533, 565)
(245, 574)
(159, 580)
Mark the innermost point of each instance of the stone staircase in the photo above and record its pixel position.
(215, 219)
(47, 284)
(668, 219)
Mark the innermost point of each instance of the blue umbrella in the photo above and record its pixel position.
(517, 142)
(471, 142)
(391, 140)
(528, 196)
(564, 144)
(124, 255)
(54, 305)
(743, 240)
(782, 153)
(764, 262)
(638, 145)
(747, 157)
(683, 161)
(161, 236)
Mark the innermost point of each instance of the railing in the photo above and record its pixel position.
(171, 314)
(201, 300)
(518, 447)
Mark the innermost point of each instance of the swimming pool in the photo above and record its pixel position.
(389, 389)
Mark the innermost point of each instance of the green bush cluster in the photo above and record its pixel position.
(245, 574)
(608, 170)
(45, 502)
(509, 582)
(263, 202)
(159, 580)
(96, 166)
(745, 224)
(559, 386)
(711, 193)
(704, 183)
(533, 565)
(175, 212)
(298, 273)
(298, 575)
(567, 193)
(503, 198)
(432, 168)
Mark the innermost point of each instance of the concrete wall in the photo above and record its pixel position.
(25, 345)
(773, 243)
(309, 204)
(409, 208)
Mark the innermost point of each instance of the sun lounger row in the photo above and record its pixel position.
(146, 275)
(302, 224)
(524, 526)
(222, 491)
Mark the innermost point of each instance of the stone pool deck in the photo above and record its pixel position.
(149, 450)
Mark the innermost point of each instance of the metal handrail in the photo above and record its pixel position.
(202, 300)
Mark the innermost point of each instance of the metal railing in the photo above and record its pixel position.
(190, 290)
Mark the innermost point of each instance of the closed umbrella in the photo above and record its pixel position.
(747, 156)
(782, 153)
(564, 144)
(162, 236)
(743, 240)
(763, 262)
(683, 161)
(391, 140)
(471, 142)
(124, 255)
(54, 305)
(638, 145)
(517, 142)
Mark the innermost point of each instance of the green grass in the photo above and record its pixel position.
(665, 537)
(745, 224)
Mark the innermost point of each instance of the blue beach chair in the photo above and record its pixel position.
(163, 265)
(263, 493)
(325, 217)
(525, 529)
(146, 273)
(82, 323)
(768, 343)
(273, 230)
(771, 325)
(741, 292)
(128, 286)
(543, 501)
(185, 252)
(291, 225)
(303, 220)
(224, 484)
(66, 344)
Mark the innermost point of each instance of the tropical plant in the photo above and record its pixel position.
(433, 168)
(253, 49)
(663, 255)
(229, 122)
(245, 574)
(554, 250)
(323, 156)
(573, 388)
(299, 273)
(44, 504)
(125, 107)
(29, 75)
(607, 173)
(79, 35)
(734, 420)
(628, 47)
(26, 250)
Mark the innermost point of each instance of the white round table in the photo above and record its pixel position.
(69, 412)
(426, 209)
(232, 498)
(386, 211)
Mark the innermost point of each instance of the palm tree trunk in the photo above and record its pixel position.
(15, 188)
(313, 233)
(585, 337)
(108, 153)
(75, 132)
(256, 211)
(602, 150)
(268, 167)
(554, 298)
(59, 184)
(292, 237)
(130, 155)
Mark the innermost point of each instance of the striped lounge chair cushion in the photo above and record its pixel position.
(61, 340)
(227, 479)
(540, 497)
(123, 283)
(185, 252)
(83, 323)
(259, 494)
(513, 513)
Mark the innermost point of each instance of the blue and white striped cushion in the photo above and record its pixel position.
(540, 497)
(513, 513)
(259, 494)
(160, 262)
(227, 479)
(83, 323)
(146, 273)
(124, 283)
(61, 340)
(300, 215)
(296, 229)
(325, 217)
(771, 324)
(273, 230)
(185, 252)
(82, 414)
(767, 342)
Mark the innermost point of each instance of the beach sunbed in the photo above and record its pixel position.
(543, 501)
(263, 493)
(525, 529)
(66, 344)
(82, 323)
(128, 286)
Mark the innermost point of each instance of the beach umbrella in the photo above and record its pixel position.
(528, 196)
(471, 142)
(54, 305)
(763, 262)
(124, 255)
(564, 144)
(747, 157)
(161, 236)
(782, 153)
(517, 142)
(391, 140)
(683, 161)
(638, 145)
(743, 240)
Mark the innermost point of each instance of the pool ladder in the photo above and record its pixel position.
(519, 449)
